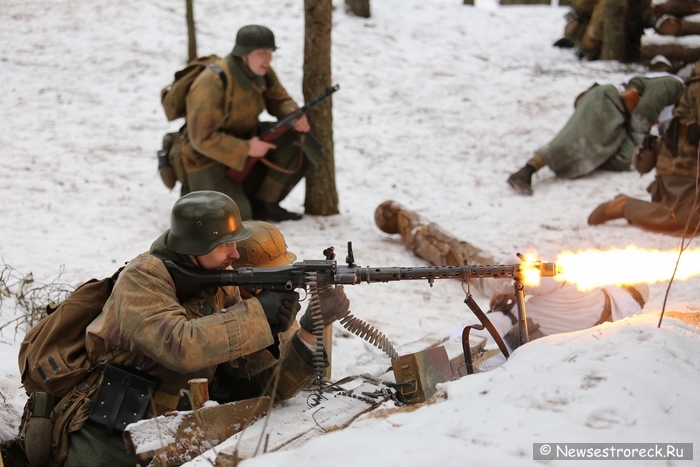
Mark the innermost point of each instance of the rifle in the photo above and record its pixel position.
(274, 132)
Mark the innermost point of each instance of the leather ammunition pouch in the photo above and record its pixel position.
(671, 137)
(645, 160)
(124, 397)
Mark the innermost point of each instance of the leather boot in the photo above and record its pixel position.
(264, 211)
(608, 211)
(521, 181)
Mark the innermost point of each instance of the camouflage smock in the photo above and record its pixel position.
(218, 125)
(177, 342)
(672, 209)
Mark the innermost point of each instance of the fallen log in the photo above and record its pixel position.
(428, 241)
(676, 8)
(671, 26)
(673, 52)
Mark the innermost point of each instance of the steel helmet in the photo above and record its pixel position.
(265, 248)
(202, 220)
(253, 37)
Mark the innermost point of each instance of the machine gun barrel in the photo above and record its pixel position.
(464, 272)
(295, 276)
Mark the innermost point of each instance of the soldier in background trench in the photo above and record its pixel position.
(607, 123)
(584, 30)
(673, 208)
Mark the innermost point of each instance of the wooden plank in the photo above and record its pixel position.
(178, 437)
(291, 425)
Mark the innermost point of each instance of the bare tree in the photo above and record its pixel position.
(321, 193)
(191, 31)
(358, 7)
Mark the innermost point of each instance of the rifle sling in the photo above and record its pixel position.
(237, 176)
(276, 167)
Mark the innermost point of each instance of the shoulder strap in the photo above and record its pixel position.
(224, 82)
(219, 71)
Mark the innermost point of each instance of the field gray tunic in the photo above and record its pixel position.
(600, 134)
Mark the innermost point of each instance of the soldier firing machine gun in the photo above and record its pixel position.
(312, 275)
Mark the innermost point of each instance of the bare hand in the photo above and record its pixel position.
(259, 148)
(302, 125)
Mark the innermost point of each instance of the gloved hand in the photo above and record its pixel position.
(280, 309)
(334, 305)
(693, 135)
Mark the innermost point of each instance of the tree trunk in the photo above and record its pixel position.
(358, 7)
(614, 46)
(321, 193)
(191, 32)
(676, 8)
(672, 26)
(673, 52)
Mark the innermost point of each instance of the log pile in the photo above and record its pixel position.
(671, 20)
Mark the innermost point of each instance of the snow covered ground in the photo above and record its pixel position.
(439, 102)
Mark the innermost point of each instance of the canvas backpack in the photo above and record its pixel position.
(52, 356)
(173, 98)
(173, 95)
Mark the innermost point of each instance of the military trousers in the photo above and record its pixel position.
(670, 209)
(263, 183)
(91, 447)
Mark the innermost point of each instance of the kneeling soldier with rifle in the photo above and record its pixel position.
(224, 138)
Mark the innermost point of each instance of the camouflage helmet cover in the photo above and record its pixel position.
(253, 37)
(265, 248)
(202, 220)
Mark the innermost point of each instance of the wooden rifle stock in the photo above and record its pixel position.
(271, 134)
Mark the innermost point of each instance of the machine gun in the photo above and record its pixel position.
(189, 282)
(299, 275)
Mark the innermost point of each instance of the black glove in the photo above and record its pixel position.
(334, 305)
(693, 135)
(280, 309)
